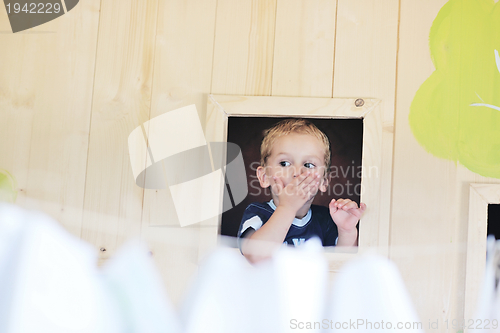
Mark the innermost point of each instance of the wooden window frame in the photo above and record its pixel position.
(373, 230)
(480, 196)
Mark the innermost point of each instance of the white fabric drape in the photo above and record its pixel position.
(49, 282)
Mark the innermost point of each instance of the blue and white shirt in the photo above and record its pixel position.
(316, 223)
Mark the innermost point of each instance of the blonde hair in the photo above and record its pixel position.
(287, 126)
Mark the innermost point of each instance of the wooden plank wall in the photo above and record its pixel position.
(46, 86)
(182, 76)
(73, 89)
(416, 217)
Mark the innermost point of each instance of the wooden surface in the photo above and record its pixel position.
(246, 106)
(121, 102)
(46, 87)
(182, 76)
(244, 47)
(304, 48)
(72, 90)
(365, 65)
(424, 206)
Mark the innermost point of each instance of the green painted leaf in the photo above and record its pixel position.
(455, 114)
(8, 187)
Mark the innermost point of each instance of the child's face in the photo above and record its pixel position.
(291, 155)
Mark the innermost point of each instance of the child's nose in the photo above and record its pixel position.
(299, 170)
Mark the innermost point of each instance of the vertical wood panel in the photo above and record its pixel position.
(424, 207)
(122, 93)
(304, 48)
(365, 66)
(242, 65)
(45, 101)
(182, 76)
(244, 47)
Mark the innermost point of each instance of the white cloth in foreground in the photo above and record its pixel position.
(368, 295)
(50, 283)
(229, 295)
(135, 283)
(487, 316)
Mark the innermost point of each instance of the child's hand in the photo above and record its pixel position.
(346, 214)
(296, 193)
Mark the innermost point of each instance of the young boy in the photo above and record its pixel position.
(295, 158)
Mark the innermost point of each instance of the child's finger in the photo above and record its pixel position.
(358, 212)
(279, 182)
(310, 180)
(313, 187)
(278, 185)
(350, 205)
(340, 203)
(300, 179)
(332, 206)
(310, 188)
(346, 204)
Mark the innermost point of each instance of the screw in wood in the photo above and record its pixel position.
(359, 102)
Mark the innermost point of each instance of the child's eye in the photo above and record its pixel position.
(284, 163)
(309, 165)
